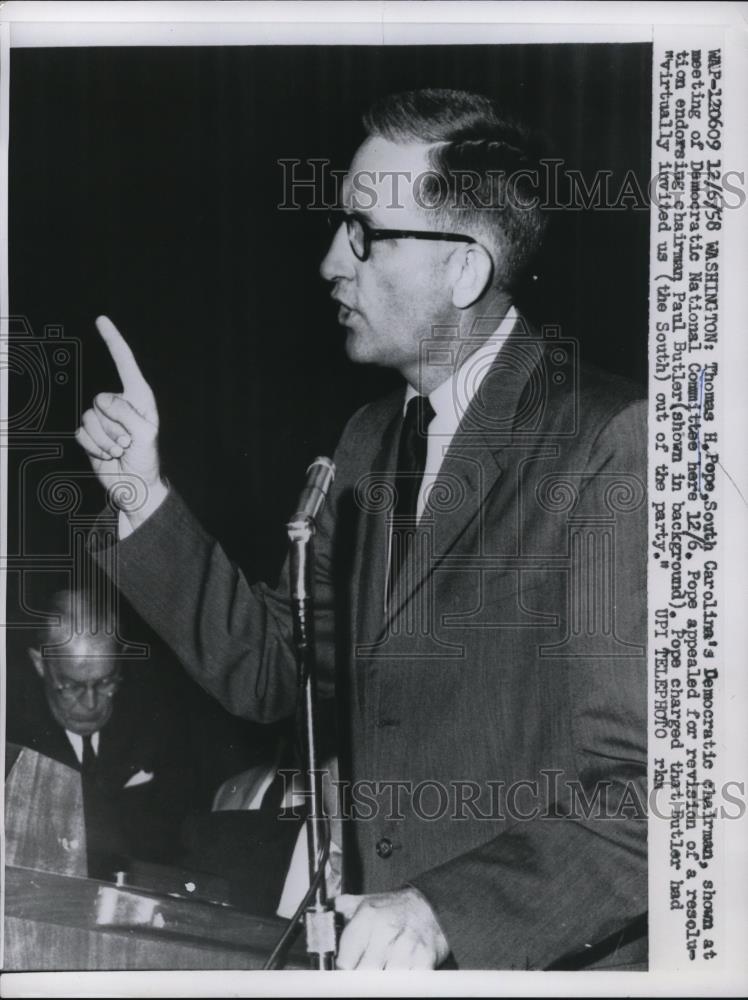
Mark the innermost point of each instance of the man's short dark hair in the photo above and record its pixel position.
(485, 178)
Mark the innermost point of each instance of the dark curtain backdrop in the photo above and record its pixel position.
(144, 184)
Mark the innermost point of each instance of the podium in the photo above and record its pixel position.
(57, 918)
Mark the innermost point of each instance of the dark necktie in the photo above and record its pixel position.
(91, 810)
(104, 837)
(411, 462)
(88, 771)
(88, 761)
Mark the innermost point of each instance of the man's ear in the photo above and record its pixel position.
(36, 659)
(474, 276)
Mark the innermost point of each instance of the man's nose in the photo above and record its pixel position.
(339, 261)
(89, 698)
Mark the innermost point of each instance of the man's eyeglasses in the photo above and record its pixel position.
(105, 687)
(361, 235)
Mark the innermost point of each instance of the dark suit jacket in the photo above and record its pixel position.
(123, 821)
(513, 665)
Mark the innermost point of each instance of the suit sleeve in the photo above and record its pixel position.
(234, 638)
(549, 887)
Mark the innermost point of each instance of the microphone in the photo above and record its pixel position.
(319, 477)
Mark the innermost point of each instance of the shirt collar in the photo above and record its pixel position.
(76, 740)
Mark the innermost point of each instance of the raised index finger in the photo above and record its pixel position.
(127, 367)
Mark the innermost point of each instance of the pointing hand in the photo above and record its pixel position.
(120, 434)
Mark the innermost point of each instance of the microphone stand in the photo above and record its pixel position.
(320, 913)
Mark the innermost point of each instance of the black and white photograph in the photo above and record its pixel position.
(348, 386)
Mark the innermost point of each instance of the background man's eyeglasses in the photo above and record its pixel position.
(361, 235)
(75, 690)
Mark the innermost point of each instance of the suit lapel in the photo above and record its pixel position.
(52, 741)
(373, 556)
(63, 748)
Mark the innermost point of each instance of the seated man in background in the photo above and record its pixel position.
(84, 708)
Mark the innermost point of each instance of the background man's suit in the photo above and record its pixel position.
(516, 652)
(142, 786)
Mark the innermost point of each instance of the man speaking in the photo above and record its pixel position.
(480, 580)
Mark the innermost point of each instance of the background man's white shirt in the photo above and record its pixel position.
(76, 742)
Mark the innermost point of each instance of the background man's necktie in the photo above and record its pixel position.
(88, 778)
(105, 840)
(88, 762)
(411, 462)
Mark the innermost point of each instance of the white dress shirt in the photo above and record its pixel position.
(77, 743)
